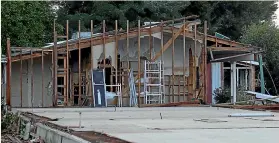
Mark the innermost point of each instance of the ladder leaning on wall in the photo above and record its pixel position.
(154, 87)
(61, 79)
(133, 96)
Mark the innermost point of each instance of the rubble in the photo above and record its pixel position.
(9, 128)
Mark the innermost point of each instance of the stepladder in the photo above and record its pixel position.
(154, 82)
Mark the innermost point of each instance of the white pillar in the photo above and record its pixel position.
(237, 77)
(246, 79)
(29, 97)
(233, 82)
(216, 78)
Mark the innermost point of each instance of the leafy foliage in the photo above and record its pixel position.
(30, 23)
(225, 17)
(241, 95)
(222, 95)
(229, 18)
(121, 11)
(8, 121)
(27, 23)
(266, 36)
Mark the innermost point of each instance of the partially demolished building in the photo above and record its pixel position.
(156, 63)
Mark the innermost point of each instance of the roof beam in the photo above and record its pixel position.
(211, 38)
(166, 46)
(85, 43)
(245, 49)
(26, 57)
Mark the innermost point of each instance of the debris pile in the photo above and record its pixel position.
(9, 128)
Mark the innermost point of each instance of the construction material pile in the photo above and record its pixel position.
(9, 128)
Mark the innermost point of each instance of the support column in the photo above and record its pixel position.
(190, 80)
(246, 79)
(54, 65)
(92, 61)
(195, 63)
(42, 78)
(172, 63)
(67, 63)
(29, 96)
(79, 66)
(205, 63)
(139, 66)
(252, 78)
(9, 66)
(32, 79)
(184, 61)
(233, 82)
(237, 77)
(261, 73)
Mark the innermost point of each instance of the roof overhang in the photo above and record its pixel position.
(235, 56)
(250, 62)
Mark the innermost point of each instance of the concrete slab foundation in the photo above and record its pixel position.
(169, 124)
(50, 135)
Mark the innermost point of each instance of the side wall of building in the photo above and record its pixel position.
(42, 96)
(46, 91)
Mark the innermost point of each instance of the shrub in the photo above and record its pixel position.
(241, 95)
(9, 122)
(222, 95)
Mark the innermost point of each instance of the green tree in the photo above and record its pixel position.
(31, 23)
(225, 17)
(26, 23)
(266, 36)
(121, 11)
(229, 18)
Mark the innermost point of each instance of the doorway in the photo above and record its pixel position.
(109, 74)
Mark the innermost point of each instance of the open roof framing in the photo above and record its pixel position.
(227, 45)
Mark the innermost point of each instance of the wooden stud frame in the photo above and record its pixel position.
(195, 61)
(172, 65)
(127, 45)
(79, 66)
(92, 60)
(116, 54)
(205, 62)
(67, 63)
(104, 43)
(21, 94)
(120, 35)
(150, 42)
(32, 80)
(55, 67)
(133, 33)
(42, 78)
(9, 71)
(162, 41)
(139, 66)
(184, 61)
